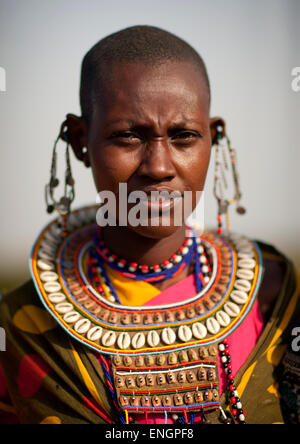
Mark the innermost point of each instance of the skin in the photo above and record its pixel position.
(150, 128)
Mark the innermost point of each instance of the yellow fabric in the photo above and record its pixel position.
(130, 292)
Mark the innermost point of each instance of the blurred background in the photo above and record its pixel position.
(250, 48)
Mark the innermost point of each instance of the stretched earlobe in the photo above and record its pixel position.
(76, 130)
(216, 122)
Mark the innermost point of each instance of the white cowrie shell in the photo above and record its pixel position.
(199, 330)
(64, 307)
(168, 336)
(109, 338)
(247, 263)
(49, 276)
(248, 255)
(223, 318)
(82, 326)
(232, 309)
(213, 326)
(72, 317)
(246, 251)
(51, 238)
(243, 273)
(56, 231)
(56, 298)
(239, 296)
(45, 265)
(124, 341)
(138, 341)
(94, 334)
(43, 254)
(49, 247)
(185, 333)
(52, 287)
(153, 338)
(242, 284)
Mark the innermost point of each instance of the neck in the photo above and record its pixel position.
(135, 247)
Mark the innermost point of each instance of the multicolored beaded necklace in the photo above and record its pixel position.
(160, 359)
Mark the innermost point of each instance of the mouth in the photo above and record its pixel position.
(160, 200)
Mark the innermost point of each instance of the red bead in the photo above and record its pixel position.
(233, 400)
(174, 257)
(219, 230)
(229, 366)
(166, 263)
(234, 412)
(231, 377)
(134, 265)
(144, 268)
(226, 351)
(181, 249)
(122, 261)
(156, 267)
(231, 388)
(225, 341)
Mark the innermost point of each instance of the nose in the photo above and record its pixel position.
(157, 162)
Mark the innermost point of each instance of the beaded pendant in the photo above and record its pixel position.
(164, 358)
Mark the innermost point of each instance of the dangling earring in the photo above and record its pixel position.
(225, 154)
(63, 205)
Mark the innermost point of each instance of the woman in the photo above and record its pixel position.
(147, 322)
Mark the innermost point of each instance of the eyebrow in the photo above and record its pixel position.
(133, 123)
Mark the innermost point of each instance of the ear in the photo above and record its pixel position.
(76, 129)
(215, 122)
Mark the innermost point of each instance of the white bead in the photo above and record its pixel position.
(222, 347)
(203, 259)
(112, 299)
(175, 417)
(205, 269)
(242, 418)
(239, 405)
(121, 265)
(244, 273)
(224, 359)
(200, 249)
(206, 279)
(247, 263)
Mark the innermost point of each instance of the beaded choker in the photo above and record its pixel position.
(163, 358)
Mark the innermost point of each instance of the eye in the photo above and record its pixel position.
(126, 137)
(185, 137)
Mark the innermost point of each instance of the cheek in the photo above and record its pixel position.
(194, 169)
(111, 167)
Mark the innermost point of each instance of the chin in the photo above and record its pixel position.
(159, 232)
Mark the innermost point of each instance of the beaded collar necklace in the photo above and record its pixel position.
(163, 358)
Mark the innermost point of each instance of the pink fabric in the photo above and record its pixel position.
(241, 342)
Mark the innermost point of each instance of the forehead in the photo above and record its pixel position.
(165, 88)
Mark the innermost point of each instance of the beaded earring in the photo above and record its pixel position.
(63, 205)
(225, 155)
